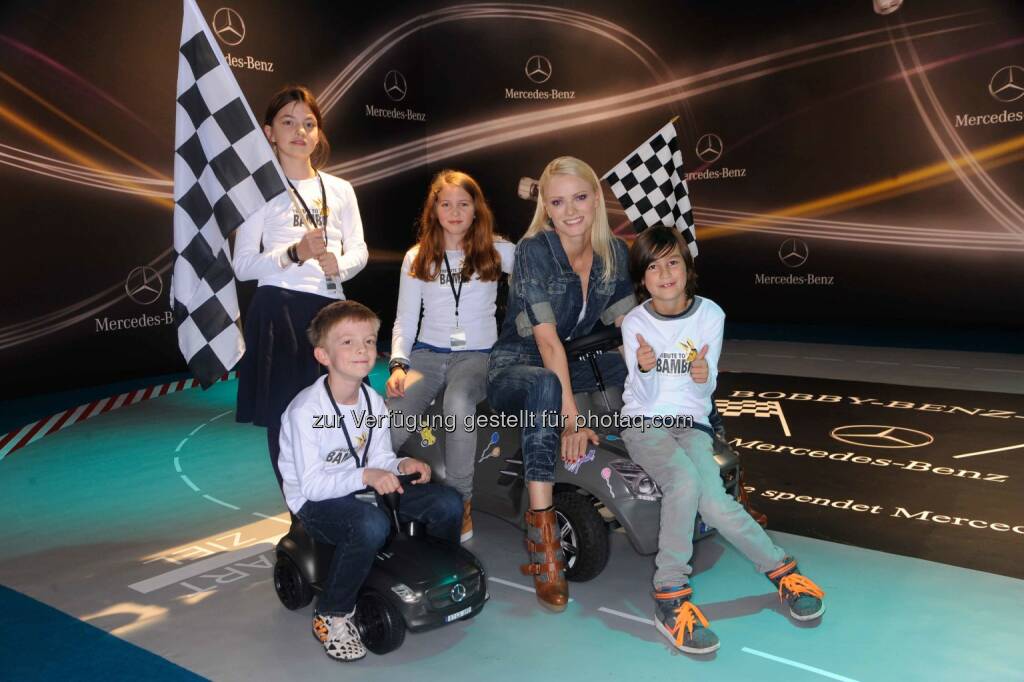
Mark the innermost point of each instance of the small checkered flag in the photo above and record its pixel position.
(224, 170)
(650, 185)
(756, 408)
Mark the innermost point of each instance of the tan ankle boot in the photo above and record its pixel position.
(547, 561)
(467, 521)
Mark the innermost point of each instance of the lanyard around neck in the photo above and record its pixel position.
(323, 204)
(344, 429)
(451, 283)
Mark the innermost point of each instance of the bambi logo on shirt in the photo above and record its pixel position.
(319, 215)
(342, 455)
(678, 363)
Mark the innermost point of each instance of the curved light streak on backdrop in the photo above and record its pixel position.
(401, 158)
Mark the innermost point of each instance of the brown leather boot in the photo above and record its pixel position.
(547, 561)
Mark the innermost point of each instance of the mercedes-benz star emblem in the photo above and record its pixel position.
(793, 252)
(395, 86)
(458, 592)
(709, 148)
(876, 436)
(1007, 84)
(228, 25)
(538, 69)
(144, 285)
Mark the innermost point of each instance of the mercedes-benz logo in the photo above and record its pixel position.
(709, 148)
(793, 252)
(876, 436)
(1007, 84)
(538, 69)
(395, 85)
(228, 26)
(144, 285)
(458, 592)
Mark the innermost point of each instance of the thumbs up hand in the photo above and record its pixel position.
(699, 367)
(645, 356)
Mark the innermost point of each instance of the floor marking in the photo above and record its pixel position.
(877, 362)
(985, 452)
(991, 369)
(189, 483)
(509, 583)
(273, 518)
(918, 364)
(176, 575)
(771, 355)
(183, 441)
(219, 416)
(795, 664)
(177, 464)
(811, 357)
(628, 616)
(195, 430)
(221, 502)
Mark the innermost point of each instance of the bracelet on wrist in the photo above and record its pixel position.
(293, 253)
(397, 364)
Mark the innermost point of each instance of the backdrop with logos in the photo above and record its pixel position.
(850, 170)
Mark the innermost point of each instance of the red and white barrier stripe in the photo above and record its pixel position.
(30, 433)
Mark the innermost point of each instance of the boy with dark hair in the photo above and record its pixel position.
(672, 342)
(335, 441)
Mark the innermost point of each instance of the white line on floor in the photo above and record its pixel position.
(811, 357)
(183, 441)
(796, 664)
(189, 483)
(509, 583)
(985, 452)
(877, 362)
(203, 566)
(919, 364)
(177, 464)
(628, 616)
(222, 503)
(993, 369)
(219, 416)
(196, 430)
(273, 518)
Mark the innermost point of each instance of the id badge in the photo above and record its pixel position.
(458, 338)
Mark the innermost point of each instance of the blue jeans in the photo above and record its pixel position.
(358, 530)
(538, 392)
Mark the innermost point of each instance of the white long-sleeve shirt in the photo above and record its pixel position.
(263, 239)
(316, 462)
(476, 305)
(668, 390)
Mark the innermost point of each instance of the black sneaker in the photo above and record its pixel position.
(797, 591)
(681, 621)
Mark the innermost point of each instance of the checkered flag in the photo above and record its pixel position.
(650, 185)
(756, 408)
(224, 170)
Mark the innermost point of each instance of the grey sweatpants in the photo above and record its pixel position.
(462, 376)
(681, 461)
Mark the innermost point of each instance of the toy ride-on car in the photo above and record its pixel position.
(417, 582)
(602, 491)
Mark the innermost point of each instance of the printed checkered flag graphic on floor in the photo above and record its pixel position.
(224, 170)
(756, 408)
(650, 184)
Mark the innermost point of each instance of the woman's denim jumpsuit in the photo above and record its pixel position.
(544, 288)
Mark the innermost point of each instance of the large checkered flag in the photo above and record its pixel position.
(224, 170)
(650, 184)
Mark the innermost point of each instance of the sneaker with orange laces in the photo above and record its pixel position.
(797, 591)
(681, 621)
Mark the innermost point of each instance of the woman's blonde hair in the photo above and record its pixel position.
(600, 233)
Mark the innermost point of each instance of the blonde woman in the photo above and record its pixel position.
(570, 274)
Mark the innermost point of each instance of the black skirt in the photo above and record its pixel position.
(278, 360)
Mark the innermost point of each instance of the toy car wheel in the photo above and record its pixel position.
(380, 624)
(584, 536)
(291, 587)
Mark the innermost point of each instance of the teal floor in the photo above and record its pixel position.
(154, 523)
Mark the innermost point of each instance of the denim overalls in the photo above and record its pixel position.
(544, 288)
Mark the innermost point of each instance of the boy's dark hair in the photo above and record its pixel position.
(337, 312)
(652, 244)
